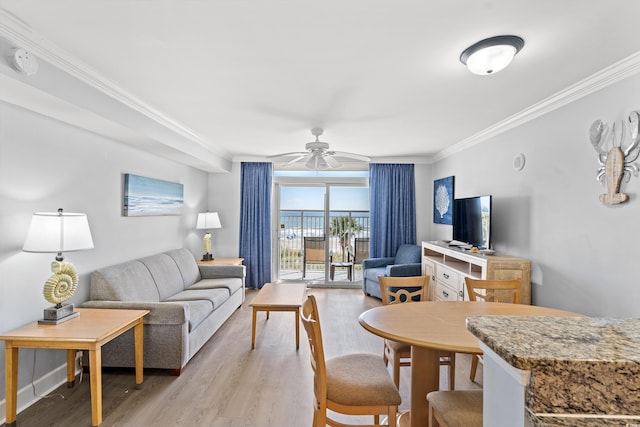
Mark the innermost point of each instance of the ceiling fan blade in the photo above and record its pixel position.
(294, 160)
(352, 156)
(293, 153)
(332, 161)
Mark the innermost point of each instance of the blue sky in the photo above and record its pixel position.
(312, 198)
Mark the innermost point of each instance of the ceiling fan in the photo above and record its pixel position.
(318, 155)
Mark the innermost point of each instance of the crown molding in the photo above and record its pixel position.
(606, 77)
(19, 32)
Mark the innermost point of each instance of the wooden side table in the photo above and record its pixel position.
(222, 261)
(89, 331)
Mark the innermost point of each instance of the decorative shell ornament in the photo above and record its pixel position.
(616, 162)
(62, 284)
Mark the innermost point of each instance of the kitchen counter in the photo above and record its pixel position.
(581, 371)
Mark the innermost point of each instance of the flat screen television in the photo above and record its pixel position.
(472, 221)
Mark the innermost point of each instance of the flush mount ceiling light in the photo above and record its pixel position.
(491, 55)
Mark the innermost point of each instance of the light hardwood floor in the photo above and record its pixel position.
(227, 384)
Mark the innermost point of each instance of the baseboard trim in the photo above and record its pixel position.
(44, 385)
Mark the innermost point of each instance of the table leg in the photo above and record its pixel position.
(11, 379)
(139, 352)
(95, 372)
(425, 378)
(71, 368)
(297, 329)
(253, 328)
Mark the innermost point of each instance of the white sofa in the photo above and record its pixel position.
(187, 302)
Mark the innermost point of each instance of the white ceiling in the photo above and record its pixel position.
(249, 78)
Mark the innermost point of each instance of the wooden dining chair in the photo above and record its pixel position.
(506, 291)
(352, 384)
(396, 290)
(460, 408)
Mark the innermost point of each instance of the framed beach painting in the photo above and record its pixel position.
(149, 196)
(443, 200)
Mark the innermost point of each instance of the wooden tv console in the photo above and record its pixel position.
(449, 265)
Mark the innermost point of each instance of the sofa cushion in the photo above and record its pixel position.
(198, 311)
(230, 283)
(215, 296)
(187, 265)
(129, 281)
(408, 254)
(165, 273)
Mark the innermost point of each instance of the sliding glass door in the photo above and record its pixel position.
(322, 232)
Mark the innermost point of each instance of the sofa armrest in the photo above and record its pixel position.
(222, 271)
(376, 262)
(160, 313)
(404, 270)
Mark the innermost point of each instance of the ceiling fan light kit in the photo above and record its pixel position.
(318, 156)
(491, 55)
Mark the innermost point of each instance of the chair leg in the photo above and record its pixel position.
(393, 416)
(474, 367)
(432, 418)
(396, 370)
(452, 371)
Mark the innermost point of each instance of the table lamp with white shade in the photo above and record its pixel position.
(208, 221)
(58, 232)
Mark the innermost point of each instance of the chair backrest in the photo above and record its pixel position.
(311, 322)
(404, 289)
(314, 250)
(408, 254)
(360, 249)
(494, 290)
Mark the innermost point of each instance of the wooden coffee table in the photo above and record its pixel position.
(89, 331)
(279, 297)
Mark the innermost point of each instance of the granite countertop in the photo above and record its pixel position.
(578, 365)
(529, 341)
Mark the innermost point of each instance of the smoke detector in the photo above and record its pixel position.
(23, 62)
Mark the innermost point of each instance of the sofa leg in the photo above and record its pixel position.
(175, 372)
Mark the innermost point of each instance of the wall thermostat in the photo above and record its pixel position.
(23, 62)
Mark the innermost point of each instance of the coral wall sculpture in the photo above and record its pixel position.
(616, 161)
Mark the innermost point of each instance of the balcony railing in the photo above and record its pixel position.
(297, 224)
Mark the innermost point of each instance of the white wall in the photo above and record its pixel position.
(584, 254)
(46, 165)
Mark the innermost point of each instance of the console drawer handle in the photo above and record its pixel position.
(446, 294)
(445, 275)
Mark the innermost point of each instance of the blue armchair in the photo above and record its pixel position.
(407, 262)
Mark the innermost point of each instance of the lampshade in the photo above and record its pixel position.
(491, 55)
(208, 220)
(58, 232)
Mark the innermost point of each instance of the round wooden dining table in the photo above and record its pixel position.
(434, 326)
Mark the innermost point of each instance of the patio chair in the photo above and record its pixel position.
(360, 250)
(313, 252)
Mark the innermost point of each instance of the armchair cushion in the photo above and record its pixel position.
(405, 263)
